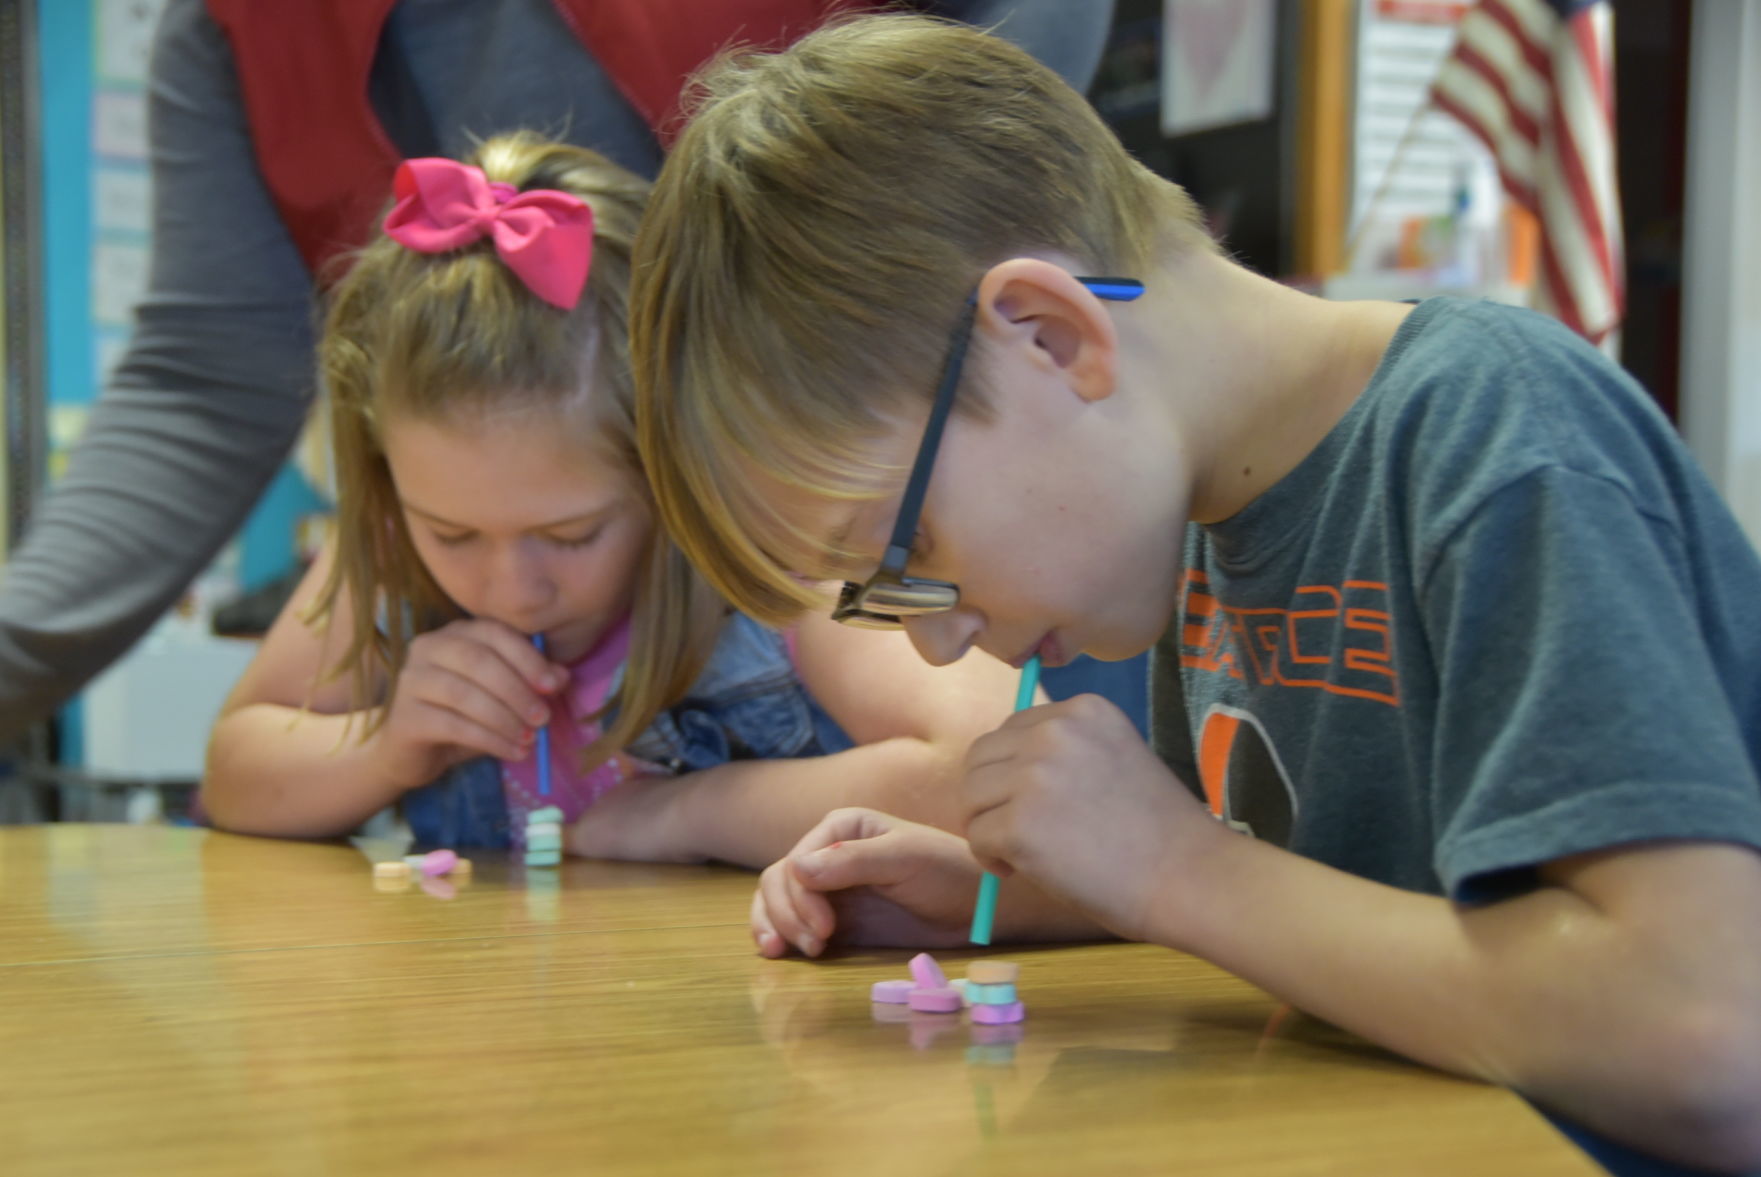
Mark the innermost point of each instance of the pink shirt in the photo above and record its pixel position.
(571, 731)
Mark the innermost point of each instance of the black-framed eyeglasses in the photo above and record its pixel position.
(884, 600)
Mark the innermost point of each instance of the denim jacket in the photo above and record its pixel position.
(747, 704)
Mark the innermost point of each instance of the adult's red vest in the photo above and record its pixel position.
(303, 71)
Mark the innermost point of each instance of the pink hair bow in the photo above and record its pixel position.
(545, 237)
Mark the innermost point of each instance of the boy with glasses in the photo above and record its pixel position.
(1445, 618)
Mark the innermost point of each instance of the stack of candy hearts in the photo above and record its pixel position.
(988, 989)
(990, 992)
(544, 836)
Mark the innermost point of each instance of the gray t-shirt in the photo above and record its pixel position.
(217, 379)
(1497, 617)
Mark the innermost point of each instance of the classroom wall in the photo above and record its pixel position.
(1721, 362)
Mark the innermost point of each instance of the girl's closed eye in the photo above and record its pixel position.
(577, 541)
(452, 539)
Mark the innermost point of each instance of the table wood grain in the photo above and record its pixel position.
(178, 1001)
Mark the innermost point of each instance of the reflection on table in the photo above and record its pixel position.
(190, 1002)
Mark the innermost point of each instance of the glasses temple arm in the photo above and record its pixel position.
(911, 506)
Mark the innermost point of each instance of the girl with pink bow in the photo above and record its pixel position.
(477, 376)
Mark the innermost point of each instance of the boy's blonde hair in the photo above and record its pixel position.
(455, 337)
(807, 250)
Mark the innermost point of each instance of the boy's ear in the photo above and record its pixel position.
(1042, 306)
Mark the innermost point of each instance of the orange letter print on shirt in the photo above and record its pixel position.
(1332, 638)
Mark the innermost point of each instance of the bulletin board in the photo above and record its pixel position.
(121, 191)
(99, 193)
(1409, 159)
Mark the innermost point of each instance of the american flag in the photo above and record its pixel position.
(1534, 80)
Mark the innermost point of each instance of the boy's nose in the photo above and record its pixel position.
(942, 638)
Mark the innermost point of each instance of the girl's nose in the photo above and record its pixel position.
(522, 589)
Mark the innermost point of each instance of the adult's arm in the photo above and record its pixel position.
(198, 416)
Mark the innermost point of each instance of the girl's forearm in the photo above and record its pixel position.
(285, 772)
(752, 812)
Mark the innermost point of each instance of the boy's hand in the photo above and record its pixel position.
(1070, 795)
(872, 878)
(471, 688)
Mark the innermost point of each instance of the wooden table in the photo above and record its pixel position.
(174, 1001)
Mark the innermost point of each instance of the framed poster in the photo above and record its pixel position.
(1219, 63)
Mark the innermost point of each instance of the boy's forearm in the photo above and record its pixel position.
(1543, 993)
(281, 772)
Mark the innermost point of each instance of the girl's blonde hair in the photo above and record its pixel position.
(808, 247)
(456, 336)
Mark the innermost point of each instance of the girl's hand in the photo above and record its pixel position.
(471, 688)
(870, 879)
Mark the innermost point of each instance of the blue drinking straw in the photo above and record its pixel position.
(543, 750)
(986, 911)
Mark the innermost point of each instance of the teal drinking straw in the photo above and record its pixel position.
(986, 911)
(543, 750)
